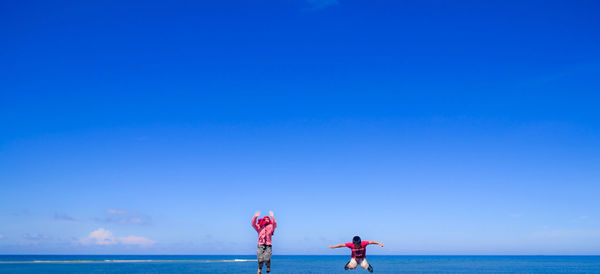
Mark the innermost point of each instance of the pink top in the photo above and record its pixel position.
(358, 253)
(266, 232)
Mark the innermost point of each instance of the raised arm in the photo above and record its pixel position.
(273, 219)
(375, 243)
(254, 220)
(337, 246)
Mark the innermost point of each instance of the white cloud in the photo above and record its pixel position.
(136, 220)
(136, 240)
(1, 236)
(102, 236)
(116, 212)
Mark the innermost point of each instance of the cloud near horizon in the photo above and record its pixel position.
(102, 236)
(116, 212)
(35, 238)
(136, 240)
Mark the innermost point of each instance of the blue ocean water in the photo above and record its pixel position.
(295, 264)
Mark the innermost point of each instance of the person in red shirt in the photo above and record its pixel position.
(265, 228)
(359, 253)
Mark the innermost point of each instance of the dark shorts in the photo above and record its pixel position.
(263, 253)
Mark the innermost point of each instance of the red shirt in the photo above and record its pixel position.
(360, 252)
(266, 232)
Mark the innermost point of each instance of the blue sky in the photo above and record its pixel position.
(434, 127)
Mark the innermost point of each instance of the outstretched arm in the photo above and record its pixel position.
(273, 219)
(337, 246)
(254, 220)
(375, 243)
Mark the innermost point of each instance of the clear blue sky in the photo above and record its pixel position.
(435, 127)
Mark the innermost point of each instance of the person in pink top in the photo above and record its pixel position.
(359, 253)
(265, 228)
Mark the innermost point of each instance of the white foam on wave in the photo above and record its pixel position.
(124, 261)
(50, 262)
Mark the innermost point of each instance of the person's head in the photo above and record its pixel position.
(264, 221)
(356, 241)
(267, 220)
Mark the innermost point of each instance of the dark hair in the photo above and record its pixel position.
(356, 240)
(262, 221)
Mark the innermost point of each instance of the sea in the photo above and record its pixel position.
(294, 264)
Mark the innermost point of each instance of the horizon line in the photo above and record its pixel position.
(440, 255)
